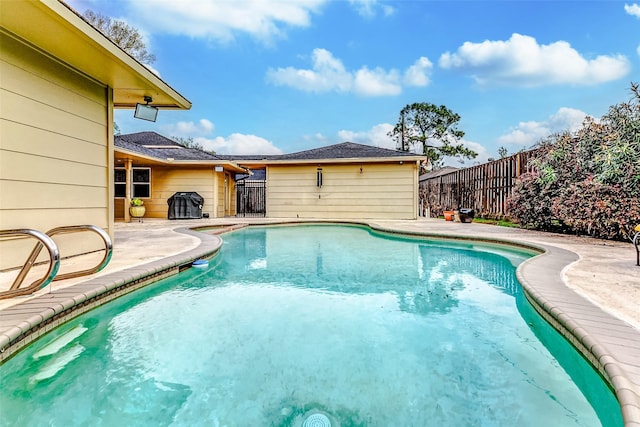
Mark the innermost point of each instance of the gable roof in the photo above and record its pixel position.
(157, 146)
(343, 151)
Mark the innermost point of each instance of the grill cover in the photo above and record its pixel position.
(185, 205)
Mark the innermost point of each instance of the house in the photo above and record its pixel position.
(159, 167)
(61, 80)
(341, 181)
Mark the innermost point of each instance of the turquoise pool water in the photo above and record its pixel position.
(289, 322)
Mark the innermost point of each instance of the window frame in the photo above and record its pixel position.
(137, 184)
(134, 184)
(123, 194)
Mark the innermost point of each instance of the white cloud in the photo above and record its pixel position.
(189, 129)
(376, 82)
(388, 10)
(235, 143)
(224, 20)
(328, 74)
(632, 9)
(522, 61)
(567, 119)
(238, 143)
(418, 73)
(153, 70)
(376, 136)
(369, 8)
(482, 157)
(316, 140)
(529, 133)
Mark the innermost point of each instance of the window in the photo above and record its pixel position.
(120, 180)
(140, 182)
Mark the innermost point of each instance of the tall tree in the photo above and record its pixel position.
(122, 34)
(433, 130)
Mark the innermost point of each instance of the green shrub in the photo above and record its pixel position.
(587, 182)
(598, 210)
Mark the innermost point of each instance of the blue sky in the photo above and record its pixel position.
(282, 76)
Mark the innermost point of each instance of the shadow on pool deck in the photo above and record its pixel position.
(589, 289)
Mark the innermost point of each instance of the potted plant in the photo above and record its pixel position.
(137, 209)
(448, 215)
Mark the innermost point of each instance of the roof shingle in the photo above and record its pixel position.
(155, 145)
(345, 150)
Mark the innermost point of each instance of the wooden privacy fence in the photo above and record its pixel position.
(484, 188)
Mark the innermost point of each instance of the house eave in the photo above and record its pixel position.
(122, 154)
(56, 30)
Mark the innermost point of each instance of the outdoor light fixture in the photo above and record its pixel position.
(319, 177)
(146, 111)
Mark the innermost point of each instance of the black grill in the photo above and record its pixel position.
(185, 205)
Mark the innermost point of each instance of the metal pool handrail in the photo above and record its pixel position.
(108, 248)
(45, 240)
(54, 262)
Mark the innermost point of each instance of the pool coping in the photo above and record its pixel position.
(611, 345)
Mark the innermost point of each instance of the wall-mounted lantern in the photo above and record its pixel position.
(319, 177)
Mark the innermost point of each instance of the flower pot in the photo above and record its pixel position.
(137, 212)
(448, 215)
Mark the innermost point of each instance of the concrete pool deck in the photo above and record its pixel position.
(587, 288)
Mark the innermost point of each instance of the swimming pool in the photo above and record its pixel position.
(288, 322)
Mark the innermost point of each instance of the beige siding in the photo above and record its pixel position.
(379, 191)
(219, 200)
(54, 160)
(225, 193)
(118, 208)
(232, 196)
(165, 182)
